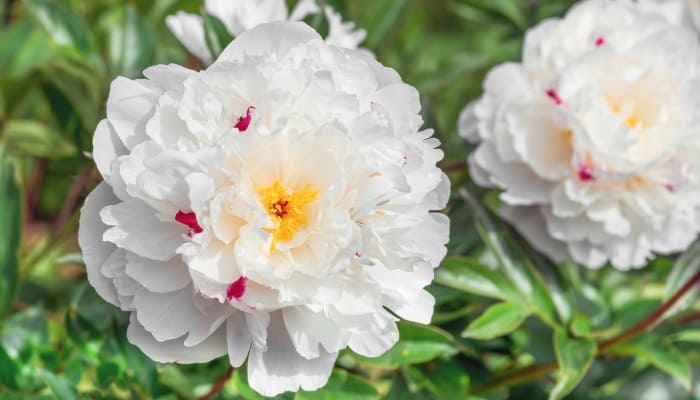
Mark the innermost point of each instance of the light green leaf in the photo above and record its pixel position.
(417, 344)
(661, 354)
(64, 27)
(342, 385)
(10, 232)
(132, 43)
(498, 320)
(60, 386)
(216, 35)
(470, 276)
(575, 356)
(35, 139)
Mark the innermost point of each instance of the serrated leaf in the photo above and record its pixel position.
(417, 344)
(215, 34)
(470, 276)
(498, 320)
(10, 232)
(575, 356)
(342, 385)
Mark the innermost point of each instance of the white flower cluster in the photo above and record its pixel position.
(593, 137)
(274, 207)
(241, 15)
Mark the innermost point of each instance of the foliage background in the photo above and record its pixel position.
(500, 306)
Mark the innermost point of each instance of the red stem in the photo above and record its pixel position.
(218, 385)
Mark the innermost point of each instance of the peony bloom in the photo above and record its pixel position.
(242, 15)
(275, 206)
(593, 137)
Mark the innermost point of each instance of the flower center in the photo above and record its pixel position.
(287, 208)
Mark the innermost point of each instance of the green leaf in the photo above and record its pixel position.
(511, 11)
(10, 232)
(60, 386)
(575, 356)
(384, 22)
(498, 320)
(417, 344)
(64, 27)
(687, 265)
(22, 48)
(445, 379)
(35, 139)
(132, 43)
(8, 370)
(107, 373)
(342, 385)
(471, 276)
(216, 35)
(661, 354)
(513, 263)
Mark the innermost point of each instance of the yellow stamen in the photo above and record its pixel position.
(286, 208)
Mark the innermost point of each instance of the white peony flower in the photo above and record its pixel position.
(241, 15)
(593, 137)
(275, 206)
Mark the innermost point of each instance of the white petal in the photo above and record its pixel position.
(309, 329)
(189, 30)
(158, 276)
(382, 336)
(106, 147)
(167, 315)
(238, 338)
(280, 368)
(95, 250)
(129, 106)
(136, 228)
(175, 350)
(275, 36)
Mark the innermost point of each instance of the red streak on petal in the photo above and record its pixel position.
(236, 289)
(358, 254)
(600, 41)
(552, 94)
(244, 122)
(585, 173)
(189, 219)
(671, 187)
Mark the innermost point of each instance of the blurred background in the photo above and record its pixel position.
(58, 339)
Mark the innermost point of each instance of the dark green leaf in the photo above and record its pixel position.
(575, 356)
(216, 35)
(661, 354)
(10, 232)
(106, 374)
(8, 370)
(385, 21)
(445, 379)
(498, 320)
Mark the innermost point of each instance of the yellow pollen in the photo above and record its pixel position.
(286, 208)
